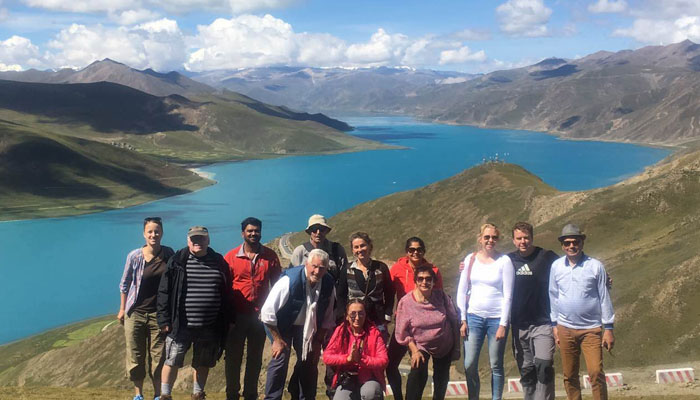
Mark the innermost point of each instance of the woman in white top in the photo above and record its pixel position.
(484, 297)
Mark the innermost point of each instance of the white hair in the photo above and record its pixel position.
(320, 254)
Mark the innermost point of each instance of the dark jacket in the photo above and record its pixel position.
(173, 286)
(297, 299)
(377, 291)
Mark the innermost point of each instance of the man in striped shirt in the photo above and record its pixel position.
(581, 313)
(194, 299)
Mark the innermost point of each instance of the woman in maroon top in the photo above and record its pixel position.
(424, 322)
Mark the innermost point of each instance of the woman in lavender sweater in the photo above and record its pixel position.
(424, 320)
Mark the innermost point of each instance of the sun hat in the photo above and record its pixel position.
(317, 219)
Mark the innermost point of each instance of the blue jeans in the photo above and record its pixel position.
(479, 328)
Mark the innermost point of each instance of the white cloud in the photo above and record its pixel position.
(244, 41)
(19, 52)
(382, 49)
(666, 9)
(130, 17)
(659, 31)
(83, 5)
(159, 45)
(461, 56)
(240, 42)
(524, 17)
(608, 6)
(253, 41)
(113, 7)
(472, 35)
(321, 50)
(11, 67)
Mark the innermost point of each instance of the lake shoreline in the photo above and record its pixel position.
(208, 180)
(205, 182)
(283, 192)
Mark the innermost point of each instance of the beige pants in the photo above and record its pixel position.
(144, 346)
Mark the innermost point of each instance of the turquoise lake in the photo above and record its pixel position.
(61, 270)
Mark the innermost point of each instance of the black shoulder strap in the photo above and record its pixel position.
(308, 246)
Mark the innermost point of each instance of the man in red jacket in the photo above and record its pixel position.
(255, 268)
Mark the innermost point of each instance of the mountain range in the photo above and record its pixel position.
(359, 90)
(148, 80)
(649, 95)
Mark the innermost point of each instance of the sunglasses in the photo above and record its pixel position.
(416, 250)
(157, 220)
(569, 243)
(426, 279)
(356, 314)
(490, 237)
(315, 228)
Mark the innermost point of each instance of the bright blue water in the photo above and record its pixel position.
(60, 270)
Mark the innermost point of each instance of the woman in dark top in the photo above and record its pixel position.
(137, 311)
(368, 280)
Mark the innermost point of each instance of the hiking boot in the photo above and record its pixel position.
(199, 396)
(166, 397)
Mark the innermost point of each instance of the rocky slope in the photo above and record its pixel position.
(148, 80)
(650, 95)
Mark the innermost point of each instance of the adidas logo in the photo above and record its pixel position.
(524, 270)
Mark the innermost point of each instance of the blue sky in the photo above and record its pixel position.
(205, 35)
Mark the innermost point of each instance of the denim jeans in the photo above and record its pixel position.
(479, 328)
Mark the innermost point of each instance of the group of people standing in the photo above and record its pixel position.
(324, 306)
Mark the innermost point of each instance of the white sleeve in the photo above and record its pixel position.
(275, 300)
(462, 290)
(297, 258)
(508, 274)
(553, 294)
(329, 316)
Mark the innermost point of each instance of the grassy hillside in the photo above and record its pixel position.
(649, 95)
(204, 129)
(644, 229)
(43, 174)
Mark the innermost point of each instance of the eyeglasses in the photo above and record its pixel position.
(426, 279)
(157, 220)
(490, 237)
(356, 314)
(569, 243)
(317, 227)
(416, 250)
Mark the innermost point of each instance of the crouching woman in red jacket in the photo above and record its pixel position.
(358, 355)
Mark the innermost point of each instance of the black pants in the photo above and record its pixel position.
(418, 377)
(396, 354)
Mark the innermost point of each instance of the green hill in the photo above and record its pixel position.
(204, 128)
(43, 175)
